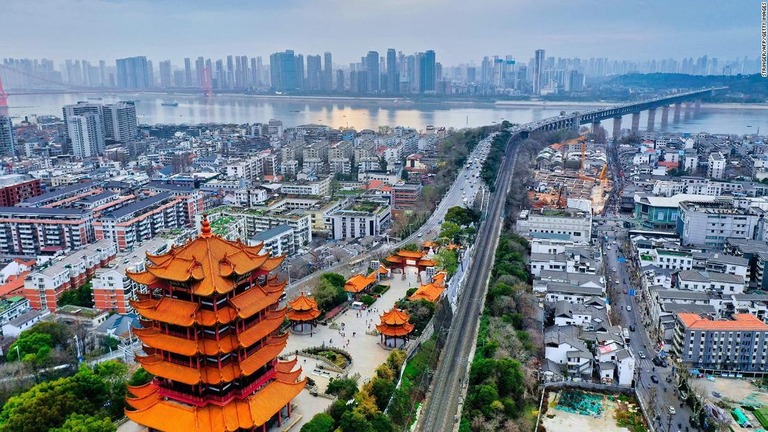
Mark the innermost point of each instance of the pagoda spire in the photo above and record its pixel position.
(205, 231)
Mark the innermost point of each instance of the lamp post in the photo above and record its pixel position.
(18, 353)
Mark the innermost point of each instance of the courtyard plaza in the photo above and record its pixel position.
(354, 331)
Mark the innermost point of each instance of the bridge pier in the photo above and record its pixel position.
(687, 113)
(677, 113)
(635, 123)
(697, 107)
(651, 119)
(595, 126)
(576, 122)
(617, 127)
(664, 117)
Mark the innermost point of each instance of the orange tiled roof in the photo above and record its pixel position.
(14, 285)
(208, 263)
(393, 259)
(302, 303)
(358, 283)
(410, 254)
(254, 411)
(303, 308)
(256, 299)
(382, 269)
(429, 244)
(155, 365)
(265, 327)
(402, 330)
(439, 278)
(170, 310)
(740, 322)
(395, 317)
(430, 292)
(427, 263)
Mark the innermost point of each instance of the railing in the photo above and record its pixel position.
(217, 400)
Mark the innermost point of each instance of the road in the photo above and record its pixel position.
(619, 279)
(440, 411)
(461, 192)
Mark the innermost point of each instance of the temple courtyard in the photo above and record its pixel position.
(353, 331)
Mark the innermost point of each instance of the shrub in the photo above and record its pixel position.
(367, 300)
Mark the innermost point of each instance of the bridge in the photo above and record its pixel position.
(594, 117)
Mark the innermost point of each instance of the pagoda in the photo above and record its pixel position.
(303, 313)
(210, 330)
(394, 328)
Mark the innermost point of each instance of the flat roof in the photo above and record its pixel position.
(674, 200)
(740, 322)
(272, 232)
(59, 192)
(138, 205)
(30, 211)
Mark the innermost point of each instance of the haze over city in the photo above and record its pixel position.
(459, 31)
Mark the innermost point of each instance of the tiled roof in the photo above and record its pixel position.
(430, 292)
(245, 414)
(358, 283)
(740, 322)
(303, 308)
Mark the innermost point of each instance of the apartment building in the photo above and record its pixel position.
(710, 224)
(142, 220)
(112, 289)
(27, 231)
(736, 345)
(43, 287)
(361, 219)
(577, 225)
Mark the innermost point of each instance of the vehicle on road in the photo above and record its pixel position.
(655, 379)
(631, 328)
(629, 308)
(672, 410)
(642, 356)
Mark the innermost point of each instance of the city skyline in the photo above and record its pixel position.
(176, 30)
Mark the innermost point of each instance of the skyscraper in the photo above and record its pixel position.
(427, 72)
(300, 71)
(199, 67)
(538, 64)
(87, 134)
(282, 71)
(79, 108)
(372, 67)
(393, 78)
(314, 69)
(187, 72)
(327, 72)
(120, 121)
(7, 140)
(165, 74)
(133, 73)
(230, 77)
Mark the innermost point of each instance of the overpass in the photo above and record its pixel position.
(616, 112)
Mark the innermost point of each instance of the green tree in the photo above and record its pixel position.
(448, 260)
(321, 422)
(335, 279)
(85, 423)
(344, 388)
(353, 421)
(111, 342)
(329, 295)
(461, 216)
(381, 390)
(28, 343)
(451, 232)
(140, 377)
(46, 405)
(79, 297)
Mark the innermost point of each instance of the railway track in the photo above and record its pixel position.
(440, 413)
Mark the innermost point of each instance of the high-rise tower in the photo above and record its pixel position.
(538, 66)
(393, 78)
(372, 67)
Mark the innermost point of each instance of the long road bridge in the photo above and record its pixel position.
(594, 117)
(441, 408)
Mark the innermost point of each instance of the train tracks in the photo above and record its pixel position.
(440, 412)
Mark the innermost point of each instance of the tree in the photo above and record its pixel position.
(321, 422)
(81, 296)
(30, 343)
(448, 260)
(335, 279)
(381, 390)
(344, 388)
(85, 423)
(140, 377)
(353, 421)
(328, 295)
(461, 216)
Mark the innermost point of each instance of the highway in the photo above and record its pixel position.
(440, 411)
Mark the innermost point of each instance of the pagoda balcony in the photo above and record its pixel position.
(220, 400)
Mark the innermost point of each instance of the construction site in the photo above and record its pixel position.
(571, 174)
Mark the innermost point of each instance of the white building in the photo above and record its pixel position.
(361, 219)
(87, 134)
(716, 165)
(277, 241)
(576, 224)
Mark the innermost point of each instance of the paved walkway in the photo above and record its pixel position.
(367, 354)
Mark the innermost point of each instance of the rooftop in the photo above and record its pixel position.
(740, 322)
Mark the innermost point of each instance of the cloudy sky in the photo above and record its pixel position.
(458, 30)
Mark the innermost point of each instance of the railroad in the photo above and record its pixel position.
(440, 408)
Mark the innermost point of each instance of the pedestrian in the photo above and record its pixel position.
(353, 334)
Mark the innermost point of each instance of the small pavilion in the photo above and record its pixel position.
(432, 291)
(394, 328)
(359, 283)
(303, 313)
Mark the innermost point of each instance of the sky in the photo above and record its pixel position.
(459, 31)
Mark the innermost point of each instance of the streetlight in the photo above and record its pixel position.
(18, 353)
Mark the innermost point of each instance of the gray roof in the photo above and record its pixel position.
(59, 192)
(35, 211)
(565, 335)
(272, 232)
(570, 289)
(97, 197)
(692, 275)
(119, 324)
(675, 308)
(682, 294)
(571, 278)
(168, 187)
(548, 257)
(25, 317)
(137, 206)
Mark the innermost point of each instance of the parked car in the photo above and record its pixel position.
(629, 308)
(631, 328)
(655, 379)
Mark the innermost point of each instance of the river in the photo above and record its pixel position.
(362, 113)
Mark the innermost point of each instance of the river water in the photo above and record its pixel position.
(362, 113)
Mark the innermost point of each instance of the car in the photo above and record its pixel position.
(631, 328)
(655, 379)
(418, 235)
(672, 410)
(656, 361)
(629, 308)
(642, 355)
